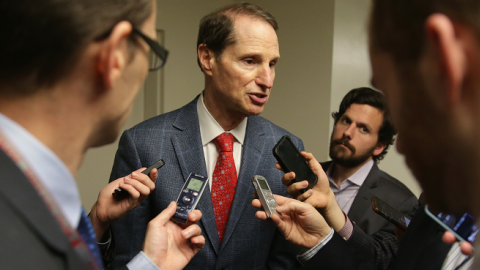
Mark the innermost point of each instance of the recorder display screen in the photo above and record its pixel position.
(263, 184)
(195, 184)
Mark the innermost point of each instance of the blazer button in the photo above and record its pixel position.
(221, 268)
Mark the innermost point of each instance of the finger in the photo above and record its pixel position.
(195, 216)
(449, 238)
(134, 194)
(257, 204)
(287, 178)
(166, 214)
(307, 194)
(279, 167)
(261, 215)
(466, 248)
(139, 186)
(143, 179)
(255, 195)
(154, 175)
(191, 231)
(276, 219)
(313, 163)
(294, 206)
(198, 240)
(281, 200)
(295, 188)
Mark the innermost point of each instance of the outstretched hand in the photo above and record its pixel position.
(108, 209)
(169, 245)
(300, 223)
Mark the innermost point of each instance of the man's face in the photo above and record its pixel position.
(242, 78)
(354, 138)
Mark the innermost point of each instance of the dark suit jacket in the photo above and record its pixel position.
(248, 243)
(380, 184)
(367, 222)
(422, 248)
(30, 237)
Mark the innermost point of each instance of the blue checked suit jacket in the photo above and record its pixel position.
(248, 243)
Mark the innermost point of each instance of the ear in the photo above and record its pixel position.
(446, 39)
(114, 54)
(379, 149)
(206, 58)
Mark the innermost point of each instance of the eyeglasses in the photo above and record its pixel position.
(157, 56)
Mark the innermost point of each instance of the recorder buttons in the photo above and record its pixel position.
(195, 194)
(187, 200)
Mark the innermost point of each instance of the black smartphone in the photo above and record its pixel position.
(291, 160)
(120, 193)
(463, 226)
(389, 213)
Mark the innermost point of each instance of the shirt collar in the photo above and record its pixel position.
(210, 128)
(358, 177)
(49, 169)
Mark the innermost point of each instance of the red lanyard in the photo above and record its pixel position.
(76, 241)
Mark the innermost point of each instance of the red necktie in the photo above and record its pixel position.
(224, 181)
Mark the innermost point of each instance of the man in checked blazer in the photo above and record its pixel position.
(237, 52)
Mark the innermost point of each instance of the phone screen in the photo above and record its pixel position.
(463, 226)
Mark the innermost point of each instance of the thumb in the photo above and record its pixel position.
(166, 214)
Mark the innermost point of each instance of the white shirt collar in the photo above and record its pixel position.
(358, 177)
(49, 169)
(210, 128)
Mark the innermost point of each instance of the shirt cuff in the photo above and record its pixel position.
(141, 261)
(347, 229)
(307, 255)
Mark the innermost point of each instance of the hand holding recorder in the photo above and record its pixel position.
(170, 245)
(108, 208)
(300, 223)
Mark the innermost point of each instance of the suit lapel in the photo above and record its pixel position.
(189, 151)
(362, 201)
(23, 197)
(252, 152)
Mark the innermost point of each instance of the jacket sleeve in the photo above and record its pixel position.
(129, 231)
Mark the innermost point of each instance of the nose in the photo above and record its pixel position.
(265, 76)
(348, 132)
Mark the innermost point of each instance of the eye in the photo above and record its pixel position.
(272, 63)
(364, 130)
(346, 121)
(249, 61)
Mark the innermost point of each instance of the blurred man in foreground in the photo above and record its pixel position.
(426, 59)
(69, 71)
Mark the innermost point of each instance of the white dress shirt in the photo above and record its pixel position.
(55, 177)
(347, 191)
(209, 130)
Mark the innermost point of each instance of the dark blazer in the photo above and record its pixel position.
(422, 248)
(30, 237)
(248, 243)
(380, 184)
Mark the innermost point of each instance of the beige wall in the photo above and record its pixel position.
(351, 69)
(323, 55)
